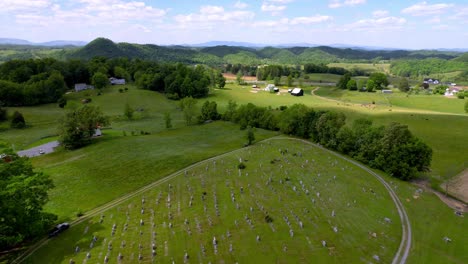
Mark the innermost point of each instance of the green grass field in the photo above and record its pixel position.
(120, 162)
(300, 185)
(368, 67)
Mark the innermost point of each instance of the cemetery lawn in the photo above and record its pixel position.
(278, 209)
(117, 164)
(444, 132)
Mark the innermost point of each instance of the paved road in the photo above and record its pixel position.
(399, 258)
(39, 150)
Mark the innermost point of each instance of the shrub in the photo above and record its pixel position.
(18, 120)
(241, 166)
(461, 95)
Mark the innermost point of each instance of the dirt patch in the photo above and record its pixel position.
(458, 186)
(450, 202)
(230, 76)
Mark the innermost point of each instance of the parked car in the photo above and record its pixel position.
(59, 229)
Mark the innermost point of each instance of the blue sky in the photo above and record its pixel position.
(398, 24)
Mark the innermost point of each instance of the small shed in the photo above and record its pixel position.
(297, 92)
(115, 81)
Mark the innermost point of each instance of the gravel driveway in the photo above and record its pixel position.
(39, 150)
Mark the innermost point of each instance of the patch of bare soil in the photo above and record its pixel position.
(450, 202)
(230, 76)
(458, 186)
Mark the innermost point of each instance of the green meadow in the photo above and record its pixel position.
(124, 160)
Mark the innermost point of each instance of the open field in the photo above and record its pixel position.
(444, 132)
(99, 173)
(368, 67)
(297, 191)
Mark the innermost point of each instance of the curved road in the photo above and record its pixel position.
(399, 258)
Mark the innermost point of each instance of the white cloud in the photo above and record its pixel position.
(378, 24)
(23, 5)
(284, 22)
(211, 9)
(380, 13)
(272, 8)
(310, 20)
(240, 5)
(281, 1)
(338, 3)
(423, 9)
(210, 16)
(434, 20)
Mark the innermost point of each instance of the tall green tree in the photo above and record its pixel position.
(250, 135)
(343, 82)
(23, 193)
(290, 80)
(220, 80)
(239, 78)
(380, 80)
(371, 86)
(128, 111)
(351, 85)
(403, 85)
(3, 113)
(99, 80)
(79, 125)
(188, 107)
(209, 111)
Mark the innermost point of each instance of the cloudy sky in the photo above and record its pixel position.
(399, 24)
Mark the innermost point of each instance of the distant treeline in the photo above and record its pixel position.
(393, 149)
(39, 81)
(430, 66)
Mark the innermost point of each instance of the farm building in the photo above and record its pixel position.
(82, 86)
(431, 81)
(297, 92)
(271, 88)
(387, 91)
(115, 81)
(451, 91)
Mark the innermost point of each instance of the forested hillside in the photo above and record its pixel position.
(404, 63)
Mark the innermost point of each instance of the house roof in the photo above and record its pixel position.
(296, 90)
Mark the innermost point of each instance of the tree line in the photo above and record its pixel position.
(393, 148)
(39, 81)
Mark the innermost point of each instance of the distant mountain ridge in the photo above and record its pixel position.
(54, 43)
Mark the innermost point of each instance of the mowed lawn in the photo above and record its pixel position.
(444, 132)
(116, 164)
(293, 203)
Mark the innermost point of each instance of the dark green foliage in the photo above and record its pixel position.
(461, 95)
(400, 154)
(78, 126)
(250, 135)
(3, 114)
(220, 80)
(298, 120)
(440, 89)
(187, 105)
(328, 125)
(128, 111)
(99, 80)
(351, 85)
(23, 193)
(343, 82)
(209, 111)
(62, 102)
(254, 116)
(17, 121)
(425, 67)
(371, 86)
(168, 119)
(230, 111)
(241, 166)
(380, 80)
(315, 68)
(403, 85)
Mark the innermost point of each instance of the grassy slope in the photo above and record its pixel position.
(446, 134)
(358, 212)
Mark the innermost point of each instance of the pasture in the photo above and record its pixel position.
(292, 203)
